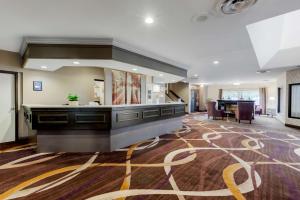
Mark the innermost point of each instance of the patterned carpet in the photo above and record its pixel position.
(204, 160)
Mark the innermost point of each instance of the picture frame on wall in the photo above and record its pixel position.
(37, 86)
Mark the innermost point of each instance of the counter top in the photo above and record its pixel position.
(100, 106)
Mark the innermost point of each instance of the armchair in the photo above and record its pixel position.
(244, 111)
(258, 110)
(212, 111)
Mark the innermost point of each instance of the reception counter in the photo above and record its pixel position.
(100, 128)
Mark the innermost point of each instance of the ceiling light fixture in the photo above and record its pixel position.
(134, 69)
(216, 62)
(161, 75)
(149, 20)
(76, 62)
(44, 67)
(263, 71)
(195, 75)
(236, 84)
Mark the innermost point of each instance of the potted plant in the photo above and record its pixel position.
(73, 100)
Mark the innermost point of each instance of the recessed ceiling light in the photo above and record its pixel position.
(263, 71)
(216, 62)
(44, 67)
(149, 20)
(200, 17)
(161, 75)
(236, 84)
(134, 69)
(76, 62)
(195, 75)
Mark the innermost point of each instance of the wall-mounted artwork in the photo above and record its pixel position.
(99, 91)
(126, 88)
(133, 91)
(37, 86)
(118, 87)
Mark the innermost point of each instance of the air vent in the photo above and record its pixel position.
(229, 7)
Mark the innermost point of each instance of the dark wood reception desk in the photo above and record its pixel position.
(100, 128)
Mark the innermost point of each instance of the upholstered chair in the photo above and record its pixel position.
(213, 112)
(244, 111)
(258, 110)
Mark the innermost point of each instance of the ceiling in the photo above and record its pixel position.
(282, 47)
(174, 35)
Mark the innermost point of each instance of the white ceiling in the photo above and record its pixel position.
(173, 35)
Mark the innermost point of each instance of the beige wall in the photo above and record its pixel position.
(292, 76)
(213, 91)
(182, 90)
(9, 60)
(281, 83)
(57, 85)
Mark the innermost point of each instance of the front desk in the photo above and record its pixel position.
(100, 128)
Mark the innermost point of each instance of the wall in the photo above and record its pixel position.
(213, 91)
(57, 85)
(292, 76)
(9, 60)
(281, 83)
(183, 90)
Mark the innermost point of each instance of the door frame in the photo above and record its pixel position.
(16, 76)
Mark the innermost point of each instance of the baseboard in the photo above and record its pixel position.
(292, 126)
(6, 145)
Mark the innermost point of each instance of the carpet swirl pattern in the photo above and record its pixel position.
(203, 160)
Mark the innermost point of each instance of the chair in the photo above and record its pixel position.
(212, 111)
(244, 111)
(258, 110)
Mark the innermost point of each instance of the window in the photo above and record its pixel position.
(294, 101)
(242, 94)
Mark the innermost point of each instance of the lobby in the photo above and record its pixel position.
(150, 99)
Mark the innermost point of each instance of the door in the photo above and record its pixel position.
(194, 101)
(7, 108)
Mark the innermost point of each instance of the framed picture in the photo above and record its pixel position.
(37, 86)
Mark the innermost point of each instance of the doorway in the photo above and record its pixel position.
(194, 100)
(8, 107)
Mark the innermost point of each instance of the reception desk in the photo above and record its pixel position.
(100, 128)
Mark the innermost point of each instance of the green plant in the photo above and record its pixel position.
(73, 97)
(209, 100)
